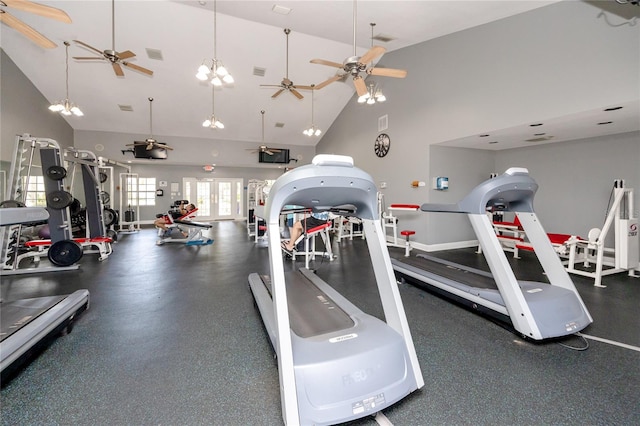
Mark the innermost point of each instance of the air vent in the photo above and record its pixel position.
(260, 72)
(280, 10)
(542, 139)
(154, 54)
(280, 125)
(125, 107)
(384, 38)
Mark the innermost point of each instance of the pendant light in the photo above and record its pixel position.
(213, 68)
(212, 122)
(313, 130)
(66, 107)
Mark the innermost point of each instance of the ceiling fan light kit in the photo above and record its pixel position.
(66, 107)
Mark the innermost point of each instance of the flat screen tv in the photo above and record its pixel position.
(281, 157)
(141, 151)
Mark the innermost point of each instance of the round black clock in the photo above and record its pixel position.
(382, 145)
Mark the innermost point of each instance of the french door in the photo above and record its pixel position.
(215, 199)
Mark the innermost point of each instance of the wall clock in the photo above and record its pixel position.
(382, 145)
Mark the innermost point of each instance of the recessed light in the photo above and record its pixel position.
(605, 122)
(483, 136)
(535, 125)
(613, 108)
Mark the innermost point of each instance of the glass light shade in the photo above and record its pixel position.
(56, 107)
(76, 111)
(381, 98)
(206, 123)
(362, 99)
(216, 81)
(213, 123)
(228, 79)
(221, 71)
(318, 131)
(66, 107)
(371, 101)
(203, 69)
(218, 125)
(202, 76)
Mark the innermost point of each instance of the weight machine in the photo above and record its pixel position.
(64, 252)
(131, 222)
(624, 256)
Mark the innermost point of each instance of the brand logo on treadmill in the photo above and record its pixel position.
(633, 230)
(343, 338)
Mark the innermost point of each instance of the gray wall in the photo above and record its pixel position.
(576, 179)
(23, 109)
(550, 62)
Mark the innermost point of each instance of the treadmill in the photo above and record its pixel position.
(27, 325)
(535, 310)
(336, 363)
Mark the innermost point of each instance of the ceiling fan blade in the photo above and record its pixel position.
(303, 87)
(275, 95)
(371, 54)
(117, 69)
(149, 147)
(328, 63)
(88, 58)
(387, 72)
(39, 9)
(361, 86)
(270, 85)
(137, 68)
(89, 47)
(163, 146)
(327, 82)
(275, 150)
(268, 152)
(26, 30)
(126, 54)
(296, 93)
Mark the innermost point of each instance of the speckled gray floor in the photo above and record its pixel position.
(172, 337)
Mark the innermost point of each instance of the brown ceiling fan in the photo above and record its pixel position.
(355, 65)
(263, 148)
(26, 30)
(150, 143)
(114, 57)
(287, 84)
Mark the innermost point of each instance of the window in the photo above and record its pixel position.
(35, 195)
(141, 191)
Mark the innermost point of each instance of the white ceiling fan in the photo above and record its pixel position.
(356, 65)
(111, 55)
(35, 8)
(287, 84)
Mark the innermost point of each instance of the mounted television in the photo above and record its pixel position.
(141, 151)
(281, 157)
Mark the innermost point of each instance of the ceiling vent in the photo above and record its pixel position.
(260, 72)
(154, 54)
(384, 38)
(280, 125)
(542, 139)
(125, 107)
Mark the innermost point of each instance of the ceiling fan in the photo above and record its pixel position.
(150, 143)
(287, 84)
(354, 65)
(263, 148)
(26, 30)
(111, 55)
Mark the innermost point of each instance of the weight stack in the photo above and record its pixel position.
(129, 216)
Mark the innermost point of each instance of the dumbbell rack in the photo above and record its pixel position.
(17, 186)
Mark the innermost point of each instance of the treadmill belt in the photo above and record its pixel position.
(15, 315)
(468, 276)
(311, 311)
